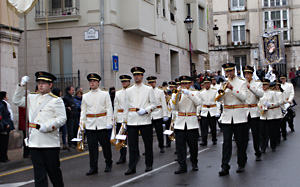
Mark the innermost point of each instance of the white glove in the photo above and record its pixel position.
(166, 118)
(141, 111)
(267, 104)
(185, 91)
(109, 126)
(173, 97)
(124, 125)
(24, 80)
(217, 115)
(43, 128)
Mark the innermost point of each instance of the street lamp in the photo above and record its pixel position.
(216, 33)
(188, 22)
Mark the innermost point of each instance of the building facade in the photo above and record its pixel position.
(240, 22)
(84, 35)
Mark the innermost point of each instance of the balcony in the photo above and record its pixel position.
(58, 11)
(243, 41)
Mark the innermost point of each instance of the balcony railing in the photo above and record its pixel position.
(57, 8)
(244, 40)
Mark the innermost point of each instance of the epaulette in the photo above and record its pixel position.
(148, 85)
(257, 81)
(103, 90)
(129, 86)
(87, 92)
(34, 93)
(241, 78)
(201, 90)
(214, 88)
(52, 95)
(193, 90)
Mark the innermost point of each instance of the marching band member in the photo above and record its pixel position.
(46, 114)
(159, 115)
(289, 94)
(233, 119)
(214, 83)
(139, 103)
(268, 105)
(186, 125)
(119, 104)
(96, 116)
(254, 93)
(209, 112)
(172, 86)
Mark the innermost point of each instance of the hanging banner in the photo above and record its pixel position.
(272, 48)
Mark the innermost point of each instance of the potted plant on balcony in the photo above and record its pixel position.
(238, 43)
(232, 43)
(243, 42)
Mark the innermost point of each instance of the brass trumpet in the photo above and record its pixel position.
(121, 143)
(80, 135)
(172, 136)
(221, 91)
(178, 93)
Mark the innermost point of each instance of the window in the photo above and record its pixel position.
(272, 3)
(172, 10)
(237, 5)
(61, 57)
(280, 21)
(164, 8)
(238, 31)
(240, 60)
(157, 63)
(57, 8)
(201, 17)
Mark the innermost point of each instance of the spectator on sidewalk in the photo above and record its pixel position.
(298, 77)
(292, 77)
(78, 99)
(71, 111)
(22, 127)
(8, 126)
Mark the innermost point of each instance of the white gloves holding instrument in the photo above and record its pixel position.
(109, 126)
(24, 80)
(141, 112)
(267, 104)
(43, 128)
(217, 115)
(166, 118)
(185, 91)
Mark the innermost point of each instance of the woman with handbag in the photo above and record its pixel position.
(7, 127)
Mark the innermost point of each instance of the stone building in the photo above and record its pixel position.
(84, 35)
(240, 22)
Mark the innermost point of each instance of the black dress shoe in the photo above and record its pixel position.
(148, 168)
(194, 167)
(130, 171)
(258, 158)
(121, 161)
(168, 145)
(240, 169)
(284, 138)
(175, 152)
(108, 168)
(224, 171)
(214, 142)
(162, 150)
(92, 172)
(181, 170)
(292, 129)
(203, 144)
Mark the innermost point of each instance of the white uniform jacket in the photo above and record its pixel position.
(289, 92)
(279, 98)
(208, 103)
(270, 113)
(96, 110)
(254, 93)
(119, 105)
(186, 110)
(216, 86)
(161, 109)
(234, 102)
(139, 97)
(52, 115)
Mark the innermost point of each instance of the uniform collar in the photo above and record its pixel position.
(98, 89)
(139, 85)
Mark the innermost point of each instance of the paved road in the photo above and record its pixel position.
(277, 169)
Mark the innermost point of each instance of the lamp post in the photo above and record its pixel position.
(216, 33)
(188, 22)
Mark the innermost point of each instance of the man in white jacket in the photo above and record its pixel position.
(46, 114)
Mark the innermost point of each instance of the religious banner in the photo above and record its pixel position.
(272, 48)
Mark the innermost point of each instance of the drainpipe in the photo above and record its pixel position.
(101, 40)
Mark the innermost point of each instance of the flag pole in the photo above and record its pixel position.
(25, 64)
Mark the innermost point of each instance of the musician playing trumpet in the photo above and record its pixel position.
(233, 119)
(119, 104)
(185, 102)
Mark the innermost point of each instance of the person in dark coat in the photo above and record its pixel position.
(7, 126)
(71, 110)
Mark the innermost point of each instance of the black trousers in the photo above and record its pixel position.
(123, 150)
(157, 124)
(46, 161)
(25, 148)
(70, 127)
(133, 144)
(4, 146)
(283, 127)
(210, 122)
(168, 124)
(190, 138)
(254, 125)
(269, 131)
(240, 134)
(101, 136)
